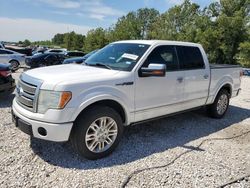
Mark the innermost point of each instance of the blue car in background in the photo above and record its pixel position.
(246, 72)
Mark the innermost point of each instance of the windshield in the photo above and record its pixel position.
(89, 54)
(118, 56)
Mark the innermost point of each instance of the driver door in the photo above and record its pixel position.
(158, 96)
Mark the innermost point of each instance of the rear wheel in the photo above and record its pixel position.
(97, 132)
(14, 65)
(220, 105)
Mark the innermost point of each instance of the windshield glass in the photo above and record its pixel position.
(118, 56)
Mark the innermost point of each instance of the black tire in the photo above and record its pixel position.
(14, 65)
(82, 124)
(213, 110)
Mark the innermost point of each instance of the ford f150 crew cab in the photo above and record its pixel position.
(126, 82)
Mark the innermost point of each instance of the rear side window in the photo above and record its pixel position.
(163, 55)
(5, 52)
(190, 58)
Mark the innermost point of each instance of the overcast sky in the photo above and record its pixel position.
(42, 19)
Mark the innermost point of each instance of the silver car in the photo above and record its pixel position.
(14, 58)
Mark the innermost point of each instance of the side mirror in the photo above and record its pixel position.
(158, 70)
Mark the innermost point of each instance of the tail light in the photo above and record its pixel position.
(241, 73)
(5, 73)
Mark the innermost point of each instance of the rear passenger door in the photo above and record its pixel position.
(196, 75)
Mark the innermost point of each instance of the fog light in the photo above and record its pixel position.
(42, 131)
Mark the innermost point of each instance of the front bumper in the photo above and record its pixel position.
(53, 132)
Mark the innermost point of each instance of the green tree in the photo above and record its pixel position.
(68, 40)
(58, 39)
(95, 39)
(146, 17)
(78, 41)
(135, 25)
(222, 28)
(244, 54)
(231, 25)
(178, 23)
(127, 27)
(26, 42)
(43, 43)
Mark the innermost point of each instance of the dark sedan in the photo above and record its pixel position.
(79, 60)
(45, 59)
(7, 83)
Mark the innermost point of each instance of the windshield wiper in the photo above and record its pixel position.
(100, 65)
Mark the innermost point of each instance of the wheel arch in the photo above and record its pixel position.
(228, 87)
(112, 103)
(14, 60)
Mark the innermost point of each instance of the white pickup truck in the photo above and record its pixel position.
(125, 83)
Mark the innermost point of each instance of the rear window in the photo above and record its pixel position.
(190, 57)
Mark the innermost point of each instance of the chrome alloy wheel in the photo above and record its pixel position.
(222, 104)
(101, 134)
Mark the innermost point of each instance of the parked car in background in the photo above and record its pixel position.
(14, 58)
(38, 51)
(70, 54)
(56, 50)
(246, 72)
(124, 83)
(22, 50)
(35, 52)
(45, 59)
(2, 45)
(79, 60)
(7, 83)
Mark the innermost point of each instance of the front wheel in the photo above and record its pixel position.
(97, 132)
(220, 105)
(14, 65)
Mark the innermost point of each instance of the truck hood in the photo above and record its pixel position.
(54, 75)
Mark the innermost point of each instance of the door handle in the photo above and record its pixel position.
(180, 79)
(206, 76)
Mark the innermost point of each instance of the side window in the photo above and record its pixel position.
(163, 55)
(4, 52)
(190, 57)
(8, 52)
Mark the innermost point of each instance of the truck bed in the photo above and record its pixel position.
(222, 66)
(224, 74)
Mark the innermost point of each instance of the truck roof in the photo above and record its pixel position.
(152, 42)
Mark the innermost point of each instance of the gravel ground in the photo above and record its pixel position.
(187, 150)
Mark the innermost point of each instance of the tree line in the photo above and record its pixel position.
(223, 28)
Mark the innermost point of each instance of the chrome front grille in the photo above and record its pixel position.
(27, 91)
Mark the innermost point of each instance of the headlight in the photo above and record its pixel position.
(52, 100)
